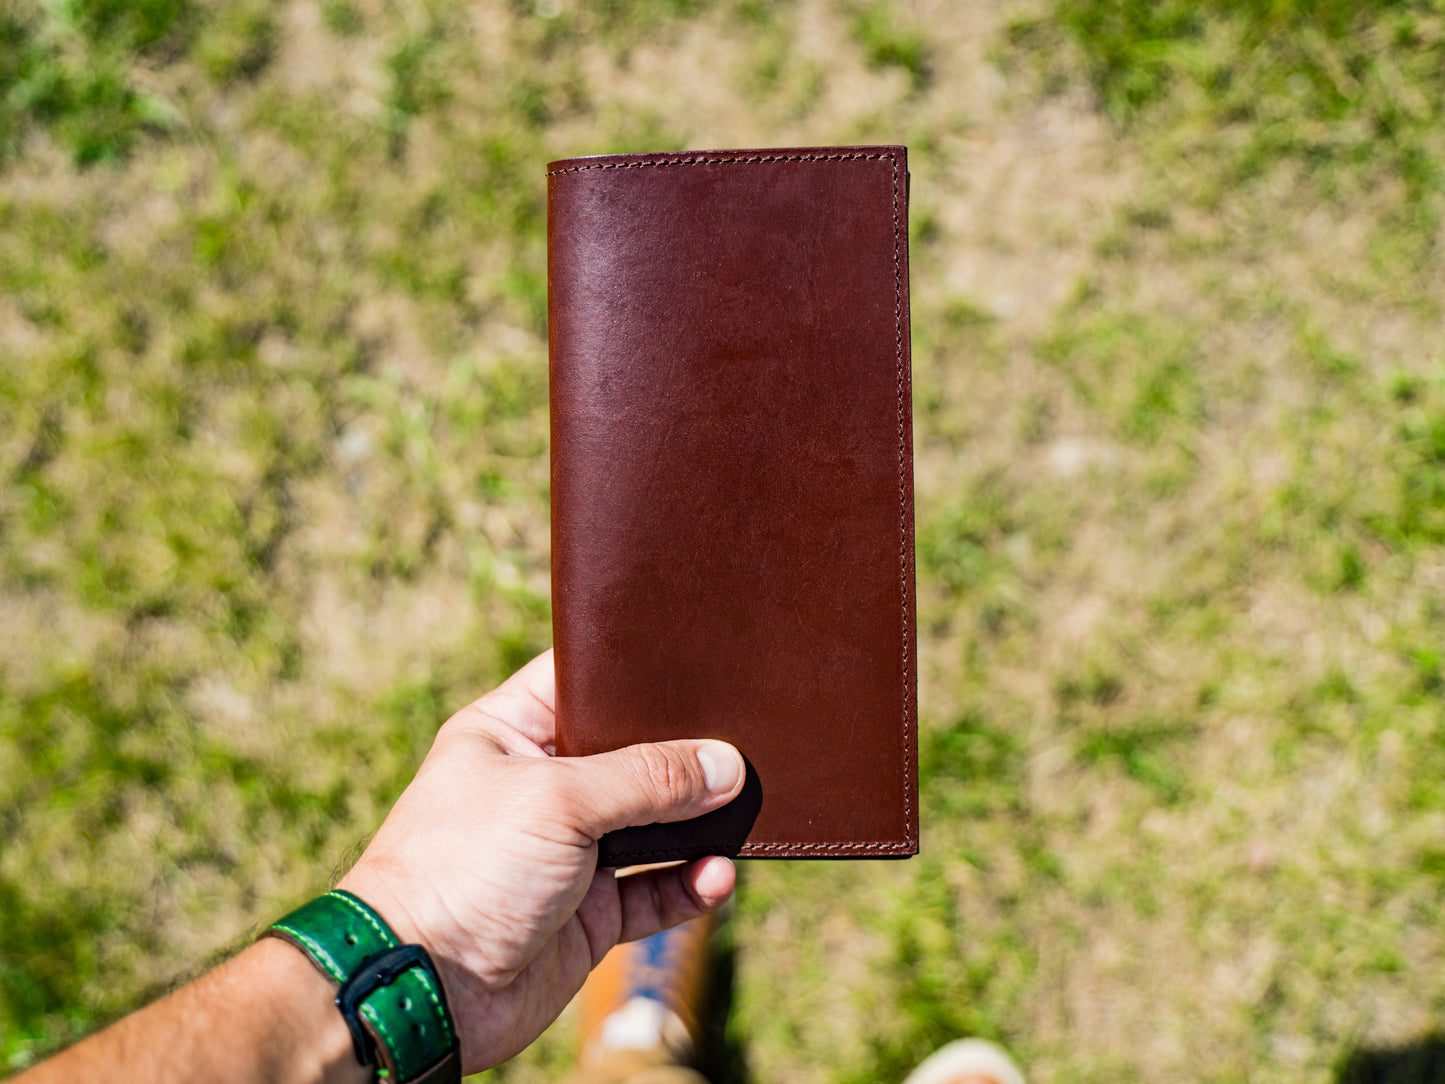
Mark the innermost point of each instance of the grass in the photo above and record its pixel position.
(273, 445)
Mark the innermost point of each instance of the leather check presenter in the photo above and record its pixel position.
(389, 993)
(732, 486)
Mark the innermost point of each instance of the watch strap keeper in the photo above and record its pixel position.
(389, 994)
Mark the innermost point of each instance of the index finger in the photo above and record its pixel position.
(523, 704)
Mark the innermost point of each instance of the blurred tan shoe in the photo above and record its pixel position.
(967, 1061)
(642, 1007)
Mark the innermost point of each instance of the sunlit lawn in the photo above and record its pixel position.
(273, 441)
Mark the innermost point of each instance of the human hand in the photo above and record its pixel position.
(489, 859)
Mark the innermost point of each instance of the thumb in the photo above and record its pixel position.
(661, 781)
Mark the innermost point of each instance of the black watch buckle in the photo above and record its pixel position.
(377, 971)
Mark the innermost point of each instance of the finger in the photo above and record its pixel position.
(521, 705)
(646, 784)
(537, 681)
(662, 898)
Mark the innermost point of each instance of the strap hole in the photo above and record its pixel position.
(406, 1004)
(351, 939)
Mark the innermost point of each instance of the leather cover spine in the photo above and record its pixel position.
(732, 485)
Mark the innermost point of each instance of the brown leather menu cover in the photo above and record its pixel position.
(732, 485)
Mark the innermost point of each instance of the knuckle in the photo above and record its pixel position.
(664, 770)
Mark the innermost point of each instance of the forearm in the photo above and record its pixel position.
(265, 1016)
(488, 862)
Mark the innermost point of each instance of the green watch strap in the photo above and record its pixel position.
(392, 990)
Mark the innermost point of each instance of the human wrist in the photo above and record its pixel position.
(414, 923)
(306, 1036)
(381, 893)
(387, 990)
(414, 913)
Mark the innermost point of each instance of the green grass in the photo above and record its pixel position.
(273, 495)
(887, 44)
(66, 68)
